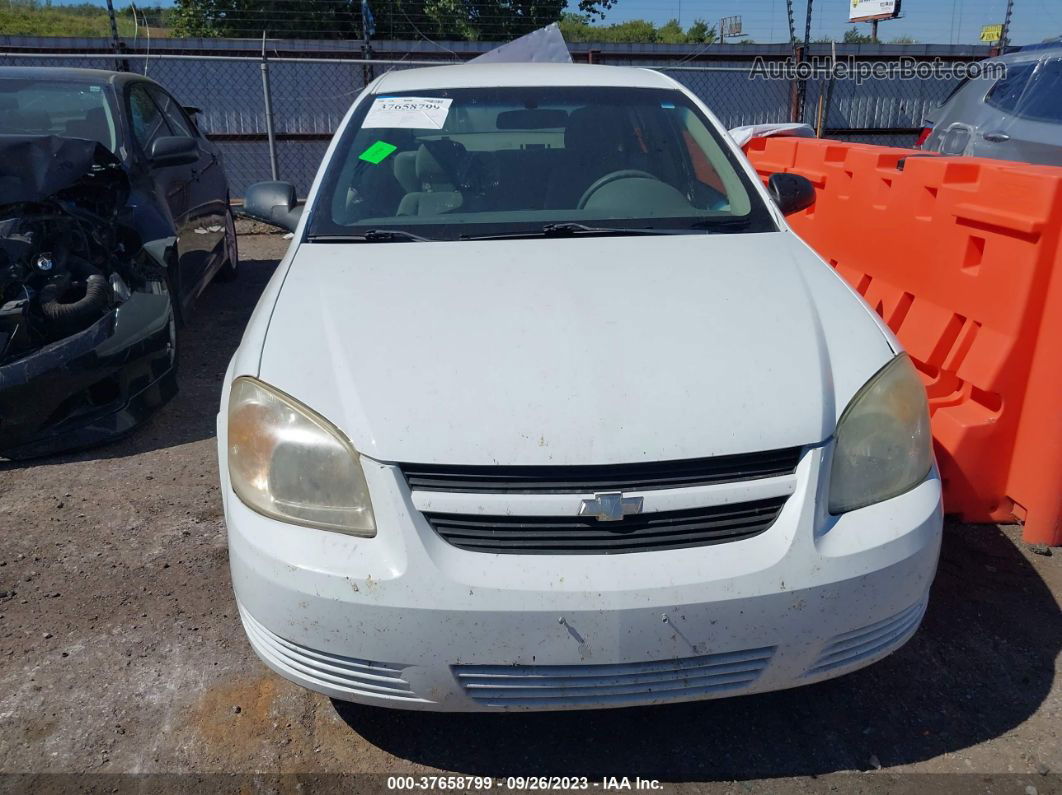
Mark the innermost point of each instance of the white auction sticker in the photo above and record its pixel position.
(418, 113)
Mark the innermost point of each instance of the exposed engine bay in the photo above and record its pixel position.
(87, 327)
(65, 259)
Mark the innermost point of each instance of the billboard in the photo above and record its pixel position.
(991, 33)
(730, 26)
(866, 10)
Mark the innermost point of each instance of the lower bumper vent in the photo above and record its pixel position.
(558, 686)
(873, 640)
(327, 671)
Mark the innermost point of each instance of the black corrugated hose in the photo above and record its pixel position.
(70, 316)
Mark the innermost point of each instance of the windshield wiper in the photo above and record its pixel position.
(371, 236)
(729, 223)
(569, 229)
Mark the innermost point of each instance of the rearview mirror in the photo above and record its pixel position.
(532, 119)
(791, 192)
(173, 150)
(273, 203)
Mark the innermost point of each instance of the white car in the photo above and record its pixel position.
(547, 408)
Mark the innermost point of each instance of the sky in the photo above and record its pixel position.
(929, 21)
(935, 21)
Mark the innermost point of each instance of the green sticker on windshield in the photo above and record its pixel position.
(378, 152)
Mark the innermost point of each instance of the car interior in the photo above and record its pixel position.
(67, 110)
(601, 160)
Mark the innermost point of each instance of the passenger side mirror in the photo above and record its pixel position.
(791, 192)
(273, 203)
(173, 150)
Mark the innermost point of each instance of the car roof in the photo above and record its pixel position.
(490, 75)
(1029, 54)
(69, 74)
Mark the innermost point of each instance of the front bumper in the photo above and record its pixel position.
(93, 386)
(405, 620)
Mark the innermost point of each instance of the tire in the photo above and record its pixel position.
(229, 269)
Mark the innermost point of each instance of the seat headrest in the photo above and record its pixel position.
(429, 170)
(405, 168)
(595, 128)
(93, 127)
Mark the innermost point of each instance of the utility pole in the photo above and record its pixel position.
(1006, 28)
(802, 85)
(121, 64)
(874, 31)
(368, 30)
(267, 102)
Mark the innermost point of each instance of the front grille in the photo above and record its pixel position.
(582, 535)
(555, 686)
(613, 477)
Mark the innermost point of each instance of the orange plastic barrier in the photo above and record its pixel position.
(962, 257)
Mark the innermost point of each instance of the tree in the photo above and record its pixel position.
(700, 32)
(671, 32)
(577, 27)
(491, 20)
(853, 36)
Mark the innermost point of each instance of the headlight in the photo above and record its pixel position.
(287, 462)
(884, 445)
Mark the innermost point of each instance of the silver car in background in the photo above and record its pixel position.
(1014, 117)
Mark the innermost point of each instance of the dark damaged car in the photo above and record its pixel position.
(114, 216)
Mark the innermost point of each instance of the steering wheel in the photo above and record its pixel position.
(624, 173)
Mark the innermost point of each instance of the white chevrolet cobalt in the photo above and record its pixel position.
(547, 408)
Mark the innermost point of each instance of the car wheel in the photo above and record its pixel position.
(229, 269)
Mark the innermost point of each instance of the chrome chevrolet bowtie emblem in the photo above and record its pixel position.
(610, 506)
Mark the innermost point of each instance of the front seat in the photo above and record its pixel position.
(93, 127)
(595, 144)
(405, 168)
(27, 121)
(437, 193)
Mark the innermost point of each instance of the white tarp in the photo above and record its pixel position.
(742, 135)
(545, 45)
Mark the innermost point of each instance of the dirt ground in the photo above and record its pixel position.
(121, 650)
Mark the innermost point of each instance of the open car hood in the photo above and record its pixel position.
(37, 168)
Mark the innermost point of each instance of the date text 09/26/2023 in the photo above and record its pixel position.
(484, 783)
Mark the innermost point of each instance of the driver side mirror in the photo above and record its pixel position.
(173, 150)
(273, 203)
(791, 192)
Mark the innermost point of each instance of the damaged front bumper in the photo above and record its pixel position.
(93, 386)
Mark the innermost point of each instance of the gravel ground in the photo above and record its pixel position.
(121, 651)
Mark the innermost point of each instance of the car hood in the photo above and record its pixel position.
(41, 167)
(571, 351)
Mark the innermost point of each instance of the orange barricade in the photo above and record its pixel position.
(962, 257)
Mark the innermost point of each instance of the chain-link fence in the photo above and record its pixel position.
(273, 115)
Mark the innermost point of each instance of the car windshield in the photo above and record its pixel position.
(72, 110)
(480, 162)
